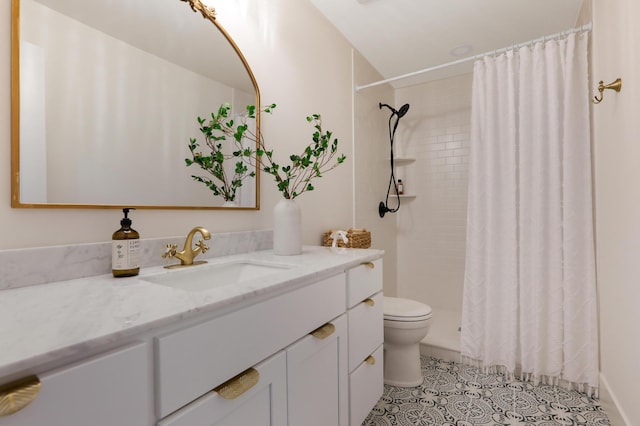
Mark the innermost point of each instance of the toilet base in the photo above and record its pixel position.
(402, 365)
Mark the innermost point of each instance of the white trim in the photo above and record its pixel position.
(353, 140)
(609, 403)
(586, 27)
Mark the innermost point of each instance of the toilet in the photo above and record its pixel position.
(406, 323)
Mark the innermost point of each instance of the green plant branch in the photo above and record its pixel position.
(295, 179)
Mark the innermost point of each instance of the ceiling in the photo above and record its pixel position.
(403, 36)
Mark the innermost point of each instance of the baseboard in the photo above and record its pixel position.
(610, 404)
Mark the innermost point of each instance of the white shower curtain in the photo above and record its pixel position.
(529, 305)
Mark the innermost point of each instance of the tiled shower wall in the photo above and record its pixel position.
(432, 226)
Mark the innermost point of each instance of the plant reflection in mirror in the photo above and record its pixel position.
(222, 182)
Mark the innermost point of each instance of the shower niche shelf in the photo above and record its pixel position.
(403, 161)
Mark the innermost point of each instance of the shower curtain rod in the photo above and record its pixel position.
(582, 28)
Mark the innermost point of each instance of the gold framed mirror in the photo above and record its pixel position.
(106, 96)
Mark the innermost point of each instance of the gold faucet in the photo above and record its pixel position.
(189, 252)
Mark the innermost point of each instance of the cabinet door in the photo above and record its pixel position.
(112, 389)
(317, 387)
(264, 404)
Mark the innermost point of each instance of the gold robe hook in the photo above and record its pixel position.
(616, 85)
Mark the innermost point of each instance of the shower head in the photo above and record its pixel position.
(400, 113)
(403, 110)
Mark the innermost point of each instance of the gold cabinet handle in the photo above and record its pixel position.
(16, 395)
(369, 265)
(324, 331)
(370, 360)
(236, 386)
(369, 302)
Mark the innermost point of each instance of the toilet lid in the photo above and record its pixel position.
(398, 309)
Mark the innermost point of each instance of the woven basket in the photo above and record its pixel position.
(358, 238)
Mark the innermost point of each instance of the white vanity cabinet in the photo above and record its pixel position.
(112, 389)
(366, 334)
(305, 355)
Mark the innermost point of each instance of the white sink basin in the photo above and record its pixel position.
(208, 276)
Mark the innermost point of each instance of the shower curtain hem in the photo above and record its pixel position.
(517, 374)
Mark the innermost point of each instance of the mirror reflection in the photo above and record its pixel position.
(109, 96)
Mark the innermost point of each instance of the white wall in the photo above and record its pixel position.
(617, 173)
(300, 62)
(432, 227)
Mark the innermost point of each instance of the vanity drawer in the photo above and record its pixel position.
(112, 389)
(264, 404)
(363, 281)
(193, 361)
(366, 329)
(366, 385)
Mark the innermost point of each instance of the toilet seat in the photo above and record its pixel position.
(405, 310)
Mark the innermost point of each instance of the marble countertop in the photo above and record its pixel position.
(44, 323)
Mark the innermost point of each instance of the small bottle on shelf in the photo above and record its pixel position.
(400, 187)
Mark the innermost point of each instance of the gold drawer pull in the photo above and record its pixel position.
(324, 331)
(370, 360)
(369, 302)
(236, 386)
(369, 265)
(16, 395)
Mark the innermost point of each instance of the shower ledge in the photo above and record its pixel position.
(443, 340)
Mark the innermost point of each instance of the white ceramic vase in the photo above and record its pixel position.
(229, 203)
(287, 228)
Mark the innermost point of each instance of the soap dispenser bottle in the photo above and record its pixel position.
(125, 253)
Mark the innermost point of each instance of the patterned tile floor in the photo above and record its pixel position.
(455, 394)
